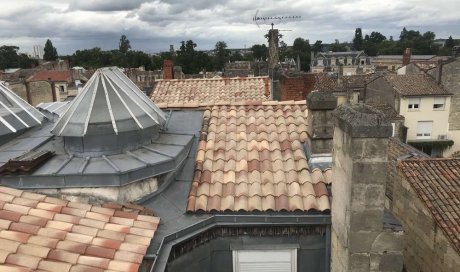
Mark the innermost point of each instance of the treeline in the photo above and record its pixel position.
(10, 58)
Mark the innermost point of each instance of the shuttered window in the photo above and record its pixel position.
(265, 260)
(424, 129)
(439, 103)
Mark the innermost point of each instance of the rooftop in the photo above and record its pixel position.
(415, 85)
(207, 92)
(251, 158)
(43, 233)
(437, 183)
(45, 75)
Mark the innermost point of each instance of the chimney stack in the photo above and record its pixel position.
(439, 72)
(359, 170)
(406, 56)
(340, 75)
(168, 69)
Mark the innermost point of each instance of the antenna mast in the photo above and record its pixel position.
(273, 34)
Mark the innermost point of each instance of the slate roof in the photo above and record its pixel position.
(437, 183)
(44, 75)
(208, 92)
(49, 234)
(415, 85)
(251, 158)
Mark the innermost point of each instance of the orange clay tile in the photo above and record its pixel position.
(40, 233)
(251, 158)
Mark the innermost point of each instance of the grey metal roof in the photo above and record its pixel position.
(15, 113)
(109, 103)
(58, 108)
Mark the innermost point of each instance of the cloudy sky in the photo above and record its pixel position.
(152, 25)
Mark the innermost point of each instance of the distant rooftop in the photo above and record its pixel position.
(415, 85)
(205, 92)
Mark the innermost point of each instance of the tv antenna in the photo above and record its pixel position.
(272, 20)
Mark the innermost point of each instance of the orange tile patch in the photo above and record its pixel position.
(40, 233)
(203, 92)
(251, 158)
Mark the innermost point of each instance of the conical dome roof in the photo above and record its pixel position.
(15, 113)
(109, 103)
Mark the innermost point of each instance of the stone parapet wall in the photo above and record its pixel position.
(426, 248)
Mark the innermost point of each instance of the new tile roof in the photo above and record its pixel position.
(45, 75)
(415, 85)
(251, 158)
(207, 92)
(40, 233)
(437, 182)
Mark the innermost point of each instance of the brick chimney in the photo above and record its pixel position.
(406, 56)
(168, 69)
(360, 242)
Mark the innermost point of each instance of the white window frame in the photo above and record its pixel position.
(237, 258)
(439, 103)
(414, 103)
(424, 129)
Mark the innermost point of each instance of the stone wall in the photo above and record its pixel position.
(40, 91)
(359, 241)
(426, 248)
(380, 92)
(398, 150)
(122, 194)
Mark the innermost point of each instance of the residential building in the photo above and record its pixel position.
(354, 62)
(424, 104)
(447, 73)
(394, 62)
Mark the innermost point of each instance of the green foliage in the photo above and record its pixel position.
(221, 55)
(259, 51)
(338, 47)
(317, 46)
(358, 42)
(302, 49)
(450, 42)
(50, 51)
(9, 58)
(124, 44)
(96, 58)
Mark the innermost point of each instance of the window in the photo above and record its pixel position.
(414, 103)
(263, 260)
(439, 103)
(424, 129)
(393, 127)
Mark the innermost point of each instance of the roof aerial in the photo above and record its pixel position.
(108, 104)
(15, 113)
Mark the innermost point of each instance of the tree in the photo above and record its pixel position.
(302, 49)
(124, 44)
(9, 58)
(187, 56)
(318, 46)
(358, 42)
(259, 51)
(50, 51)
(222, 55)
(450, 42)
(338, 47)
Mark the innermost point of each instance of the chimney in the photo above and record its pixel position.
(406, 56)
(340, 75)
(168, 69)
(359, 170)
(320, 127)
(439, 72)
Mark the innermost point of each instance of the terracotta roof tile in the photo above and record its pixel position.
(251, 158)
(204, 92)
(437, 183)
(46, 75)
(42, 233)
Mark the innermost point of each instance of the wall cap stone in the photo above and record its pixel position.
(362, 121)
(318, 100)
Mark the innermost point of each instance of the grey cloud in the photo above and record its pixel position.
(105, 5)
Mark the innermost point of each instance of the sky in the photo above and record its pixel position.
(153, 25)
